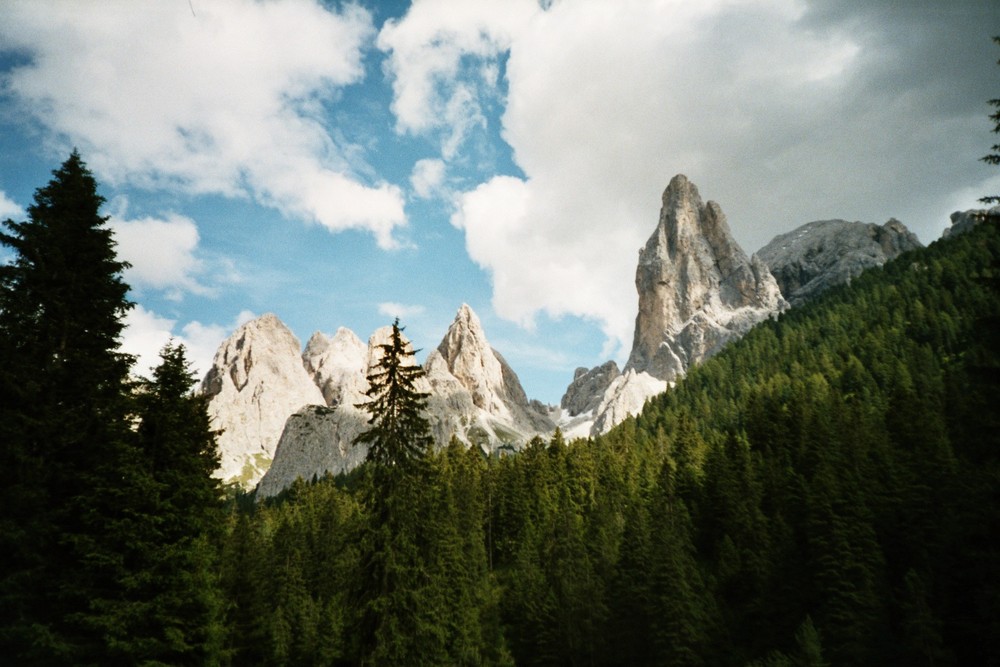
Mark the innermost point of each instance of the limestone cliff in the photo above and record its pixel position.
(697, 291)
(474, 396)
(255, 382)
(697, 288)
(818, 255)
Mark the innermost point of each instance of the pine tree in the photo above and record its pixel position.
(994, 157)
(396, 627)
(177, 615)
(64, 426)
(399, 434)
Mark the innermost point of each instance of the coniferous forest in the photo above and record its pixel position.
(825, 491)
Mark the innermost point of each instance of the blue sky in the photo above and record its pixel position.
(341, 163)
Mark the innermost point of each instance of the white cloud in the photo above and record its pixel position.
(146, 333)
(226, 100)
(427, 178)
(436, 88)
(400, 310)
(9, 208)
(780, 120)
(161, 252)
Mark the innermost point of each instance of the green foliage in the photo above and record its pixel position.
(64, 408)
(399, 434)
(822, 492)
(108, 522)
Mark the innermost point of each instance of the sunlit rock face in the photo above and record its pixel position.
(697, 291)
(256, 380)
(697, 288)
(473, 395)
(819, 255)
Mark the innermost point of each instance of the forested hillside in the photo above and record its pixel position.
(824, 491)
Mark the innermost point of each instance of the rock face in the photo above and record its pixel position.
(337, 365)
(697, 288)
(474, 396)
(963, 221)
(819, 255)
(493, 384)
(697, 291)
(255, 382)
(584, 394)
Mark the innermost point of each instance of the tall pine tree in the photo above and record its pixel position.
(64, 425)
(396, 624)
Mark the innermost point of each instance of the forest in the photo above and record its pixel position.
(825, 491)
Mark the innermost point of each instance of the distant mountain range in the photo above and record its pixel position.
(285, 412)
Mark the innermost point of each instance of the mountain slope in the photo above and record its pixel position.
(819, 255)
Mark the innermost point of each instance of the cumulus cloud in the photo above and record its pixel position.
(146, 333)
(427, 178)
(781, 113)
(9, 208)
(161, 252)
(400, 310)
(442, 61)
(227, 100)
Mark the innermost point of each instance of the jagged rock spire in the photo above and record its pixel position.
(697, 288)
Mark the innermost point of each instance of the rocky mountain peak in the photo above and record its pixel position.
(337, 365)
(818, 255)
(478, 367)
(697, 288)
(256, 380)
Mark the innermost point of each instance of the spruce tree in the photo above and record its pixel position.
(177, 610)
(994, 157)
(399, 433)
(64, 425)
(396, 624)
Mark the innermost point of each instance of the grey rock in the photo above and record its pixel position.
(474, 396)
(586, 391)
(697, 291)
(964, 221)
(256, 380)
(316, 441)
(819, 255)
(697, 288)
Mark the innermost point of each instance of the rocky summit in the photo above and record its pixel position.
(474, 396)
(697, 288)
(697, 291)
(819, 255)
(255, 382)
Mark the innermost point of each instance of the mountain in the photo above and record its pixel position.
(697, 291)
(965, 221)
(821, 254)
(474, 396)
(256, 380)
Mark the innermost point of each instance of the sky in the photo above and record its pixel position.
(342, 164)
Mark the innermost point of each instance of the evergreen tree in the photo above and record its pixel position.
(177, 615)
(396, 625)
(399, 433)
(67, 447)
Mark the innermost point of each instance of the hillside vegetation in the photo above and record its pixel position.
(824, 491)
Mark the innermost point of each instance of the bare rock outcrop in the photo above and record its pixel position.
(697, 291)
(697, 288)
(586, 391)
(819, 255)
(474, 396)
(255, 382)
(337, 365)
(964, 221)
